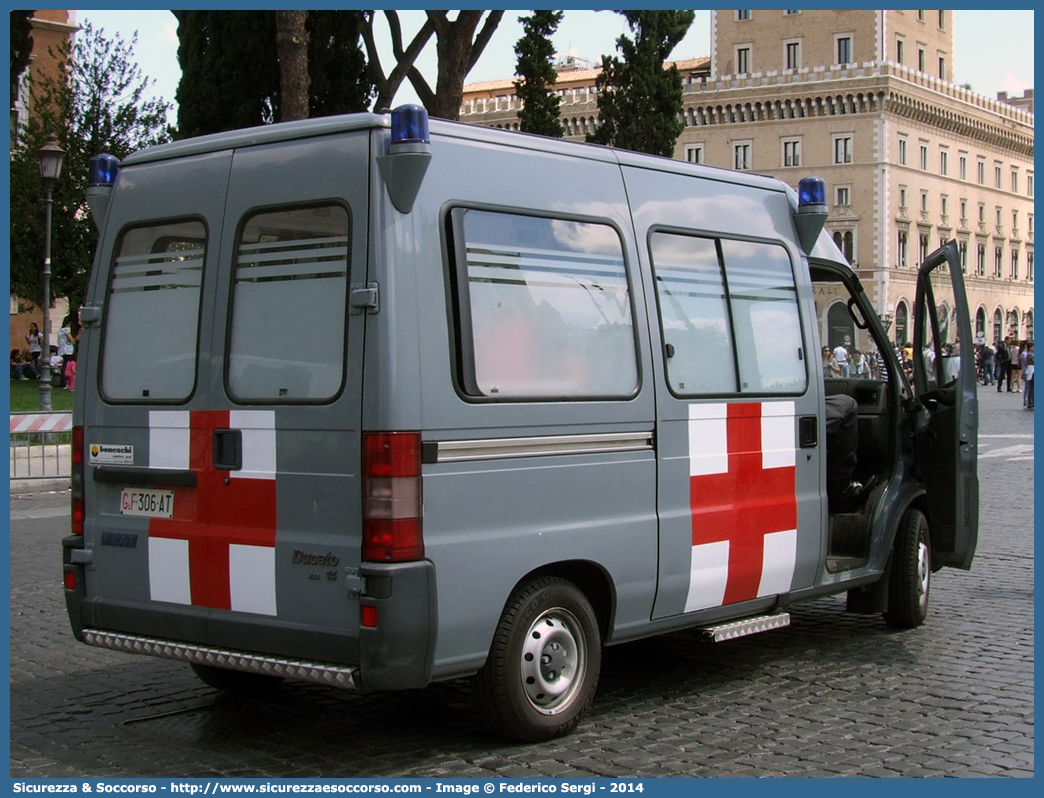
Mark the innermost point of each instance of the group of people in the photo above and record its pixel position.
(838, 363)
(25, 365)
(1008, 363)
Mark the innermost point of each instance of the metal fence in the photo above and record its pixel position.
(41, 445)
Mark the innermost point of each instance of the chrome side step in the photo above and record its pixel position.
(746, 626)
(323, 673)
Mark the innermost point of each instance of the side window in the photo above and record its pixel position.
(765, 316)
(694, 313)
(543, 308)
(729, 314)
(289, 305)
(152, 313)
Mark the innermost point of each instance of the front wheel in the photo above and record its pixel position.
(911, 573)
(543, 664)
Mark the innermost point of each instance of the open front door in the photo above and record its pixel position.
(944, 380)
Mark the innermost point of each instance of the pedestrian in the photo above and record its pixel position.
(989, 364)
(842, 360)
(68, 337)
(35, 341)
(1016, 367)
(1003, 357)
(830, 368)
(1027, 374)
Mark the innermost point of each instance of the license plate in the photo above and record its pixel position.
(148, 503)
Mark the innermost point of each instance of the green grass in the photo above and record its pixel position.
(25, 398)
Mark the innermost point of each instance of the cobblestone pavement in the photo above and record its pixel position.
(832, 695)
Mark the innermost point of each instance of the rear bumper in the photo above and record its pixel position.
(397, 653)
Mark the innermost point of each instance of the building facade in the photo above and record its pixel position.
(865, 100)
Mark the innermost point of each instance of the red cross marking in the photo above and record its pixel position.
(216, 514)
(744, 504)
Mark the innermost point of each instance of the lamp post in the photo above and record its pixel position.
(50, 156)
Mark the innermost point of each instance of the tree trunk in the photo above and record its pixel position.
(292, 46)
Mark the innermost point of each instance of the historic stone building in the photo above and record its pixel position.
(865, 100)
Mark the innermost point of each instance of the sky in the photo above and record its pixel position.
(993, 50)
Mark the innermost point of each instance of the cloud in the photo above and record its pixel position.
(1013, 85)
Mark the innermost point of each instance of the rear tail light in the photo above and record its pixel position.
(78, 509)
(392, 506)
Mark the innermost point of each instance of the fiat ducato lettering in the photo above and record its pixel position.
(377, 402)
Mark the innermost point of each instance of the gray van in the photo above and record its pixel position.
(376, 403)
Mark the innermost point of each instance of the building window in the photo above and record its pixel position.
(942, 68)
(790, 13)
(944, 206)
(902, 202)
(843, 195)
(920, 16)
(924, 158)
(944, 162)
(1014, 264)
(742, 60)
(962, 167)
(981, 172)
(1014, 181)
(1029, 267)
(694, 153)
(963, 248)
(924, 202)
(902, 152)
(923, 249)
(998, 260)
(964, 213)
(997, 176)
(900, 50)
(742, 15)
(844, 49)
(792, 54)
(1029, 184)
(901, 251)
(942, 20)
(741, 153)
(843, 148)
(792, 153)
(920, 59)
(980, 261)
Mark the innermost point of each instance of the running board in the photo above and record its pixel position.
(747, 626)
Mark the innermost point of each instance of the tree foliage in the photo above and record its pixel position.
(97, 103)
(536, 70)
(639, 102)
(21, 46)
(230, 68)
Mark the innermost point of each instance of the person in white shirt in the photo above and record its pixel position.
(841, 356)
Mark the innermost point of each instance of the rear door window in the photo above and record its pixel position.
(544, 308)
(289, 305)
(152, 313)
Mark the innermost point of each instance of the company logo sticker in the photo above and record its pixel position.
(110, 454)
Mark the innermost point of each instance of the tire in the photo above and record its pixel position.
(236, 682)
(909, 579)
(543, 663)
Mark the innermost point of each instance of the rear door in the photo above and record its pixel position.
(224, 446)
(944, 380)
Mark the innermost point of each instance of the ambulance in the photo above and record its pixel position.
(376, 401)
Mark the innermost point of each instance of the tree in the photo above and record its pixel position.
(292, 47)
(231, 72)
(97, 103)
(21, 46)
(639, 102)
(458, 48)
(537, 73)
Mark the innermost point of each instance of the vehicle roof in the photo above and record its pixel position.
(328, 125)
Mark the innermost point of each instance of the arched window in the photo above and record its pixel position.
(902, 322)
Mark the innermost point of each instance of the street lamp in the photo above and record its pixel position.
(50, 156)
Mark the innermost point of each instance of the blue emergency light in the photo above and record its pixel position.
(409, 124)
(812, 194)
(103, 170)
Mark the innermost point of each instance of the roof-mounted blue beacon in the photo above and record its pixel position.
(409, 151)
(812, 211)
(101, 177)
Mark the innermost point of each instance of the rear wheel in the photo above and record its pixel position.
(238, 682)
(911, 573)
(543, 664)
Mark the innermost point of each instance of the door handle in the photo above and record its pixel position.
(228, 450)
(808, 432)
